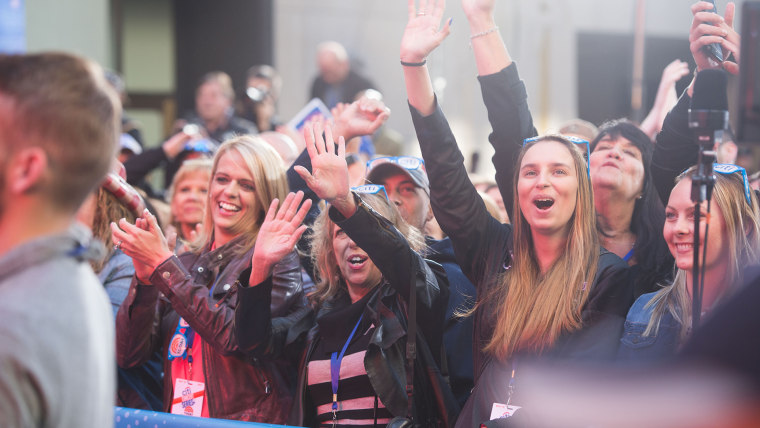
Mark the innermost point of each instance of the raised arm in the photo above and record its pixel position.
(457, 206)
(675, 149)
(503, 93)
(666, 97)
(388, 249)
(422, 35)
(491, 55)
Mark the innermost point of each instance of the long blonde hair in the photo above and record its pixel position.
(533, 310)
(269, 180)
(742, 223)
(329, 281)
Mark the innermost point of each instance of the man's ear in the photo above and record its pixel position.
(429, 216)
(26, 169)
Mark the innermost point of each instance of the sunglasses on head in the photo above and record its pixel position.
(410, 163)
(574, 140)
(372, 189)
(728, 169)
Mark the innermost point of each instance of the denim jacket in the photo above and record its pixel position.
(636, 348)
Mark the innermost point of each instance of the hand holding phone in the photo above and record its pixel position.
(713, 50)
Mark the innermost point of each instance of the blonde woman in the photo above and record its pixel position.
(659, 322)
(545, 287)
(187, 198)
(191, 321)
(351, 348)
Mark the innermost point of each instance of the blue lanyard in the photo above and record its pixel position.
(511, 388)
(335, 361)
(628, 256)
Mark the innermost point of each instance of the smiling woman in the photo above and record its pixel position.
(352, 346)
(191, 322)
(545, 287)
(659, 322)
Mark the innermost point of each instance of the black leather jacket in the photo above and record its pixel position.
(237, 387)
(385, 358)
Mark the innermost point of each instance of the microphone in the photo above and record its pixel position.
(708, 111)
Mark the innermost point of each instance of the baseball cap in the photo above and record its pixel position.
(128, 142)
(379, 169)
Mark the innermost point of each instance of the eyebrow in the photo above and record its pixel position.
(533, 165)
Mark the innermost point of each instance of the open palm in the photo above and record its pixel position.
(329, 176)
(281, 228)
(423, 32)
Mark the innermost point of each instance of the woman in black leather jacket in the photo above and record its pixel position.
(184, 306)
(367, 265)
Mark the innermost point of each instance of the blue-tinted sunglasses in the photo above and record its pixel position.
(410, 163)
(575, 140)
(372, 189)
(728, 169)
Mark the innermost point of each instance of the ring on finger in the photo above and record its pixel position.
(117, 246)
(421, 13)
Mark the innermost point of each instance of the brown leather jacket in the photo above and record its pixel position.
(237, 387)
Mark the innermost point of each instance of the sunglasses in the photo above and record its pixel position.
(728, 169)
(372, 189)
(574, 140)
(410, 163)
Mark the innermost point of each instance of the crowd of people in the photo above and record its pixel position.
(296, 277)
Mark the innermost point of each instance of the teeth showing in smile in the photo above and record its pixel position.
(228, 207)
(543, 204)
(355, 260)
(684, 247)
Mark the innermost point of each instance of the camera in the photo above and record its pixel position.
(257, 94)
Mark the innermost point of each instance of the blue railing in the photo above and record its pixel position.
(135, 418)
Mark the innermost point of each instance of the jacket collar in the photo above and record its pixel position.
(76, 241)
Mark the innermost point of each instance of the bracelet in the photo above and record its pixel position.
(413, 64)
(486, 32)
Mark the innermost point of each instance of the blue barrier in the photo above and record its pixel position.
(135, 418)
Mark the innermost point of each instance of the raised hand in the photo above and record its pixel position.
(673, 72)
(707, 28)
(278, 235)
(423, 32)
(476, 9)
(362, 117)
(143, 242)
(329, 176)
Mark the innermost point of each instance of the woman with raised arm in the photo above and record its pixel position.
(658, 323)
(184, 306)
(629, 212)
(676, 149)
(352, 346)
(546, 289)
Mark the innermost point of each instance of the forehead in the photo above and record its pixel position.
(232, 163)
(196, 175)
(618, 141)
(548, 152)
(211, 86)
(395, 178)
(681, 194)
